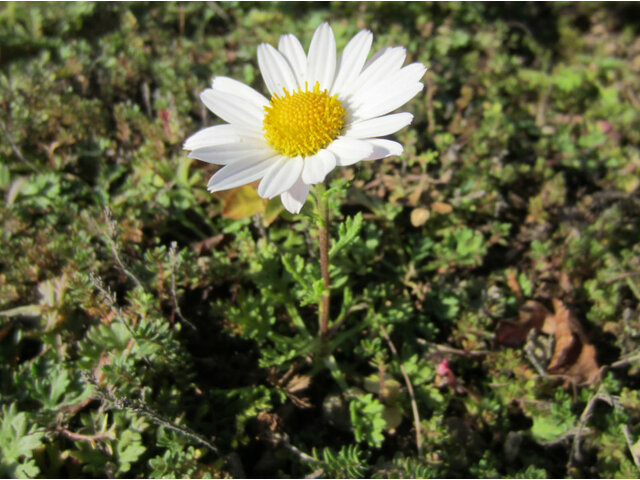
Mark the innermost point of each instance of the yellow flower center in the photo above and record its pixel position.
(303, 122)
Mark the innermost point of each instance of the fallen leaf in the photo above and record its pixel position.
(419, 216)
(568, 346)
(270, 421)
(512, 333)
(586, 367)
(572, 357)
(440, 207)
(298, 382)
(242, 202)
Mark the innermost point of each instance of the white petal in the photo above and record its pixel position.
(290, 47)
(294, 198)
(376, 56)
(233, 109)
(233, 152)
(218, 135)
(281, 177)
(383, 148)
(322, 57)
(240, 173)
(386, 104)
(275, 70)
(352, 60)
(318, 166)
(239, 89)
(383, 65)
(378, 127)
(349, 151)
(377, 91)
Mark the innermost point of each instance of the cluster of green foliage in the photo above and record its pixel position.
(146, 332)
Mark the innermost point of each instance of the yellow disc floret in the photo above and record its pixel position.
(303, 122)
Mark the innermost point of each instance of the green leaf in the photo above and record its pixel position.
(18, 439)
(347, 233)
(367, 419)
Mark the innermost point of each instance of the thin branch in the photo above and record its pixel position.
(159, 420)
(575, 448)
(352, 308)
(84, 438)
(625, 361)
(566, 436)
(110, 298)
(627, 436)
(407, 381)
(173, 260)
(111, 301)
(622, 276)
(284, 440)
(112, 237)
(120, 403)
(453, 351)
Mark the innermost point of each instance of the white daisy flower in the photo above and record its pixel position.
(323, 112)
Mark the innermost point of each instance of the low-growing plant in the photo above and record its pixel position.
(481, 314)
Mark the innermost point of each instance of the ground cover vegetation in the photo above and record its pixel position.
(484, 285)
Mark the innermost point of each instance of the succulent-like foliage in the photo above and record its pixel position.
(485, 289)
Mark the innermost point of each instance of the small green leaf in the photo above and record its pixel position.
(347, 233)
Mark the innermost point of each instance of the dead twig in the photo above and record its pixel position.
(625, 361)
(140, 408)
(84, 438)
(283, 439)
(622, 276)
(407, 381)
(575, 448)
(627, 436)
(453, 351)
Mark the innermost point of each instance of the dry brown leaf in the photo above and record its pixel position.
(573, 356)
(300, 402)
(512, 333)
(441, 207)
(298, 382)
(270, 421)
(419, 216)
(513, 284)
(585, 369)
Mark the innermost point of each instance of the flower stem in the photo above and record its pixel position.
(323, 213)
